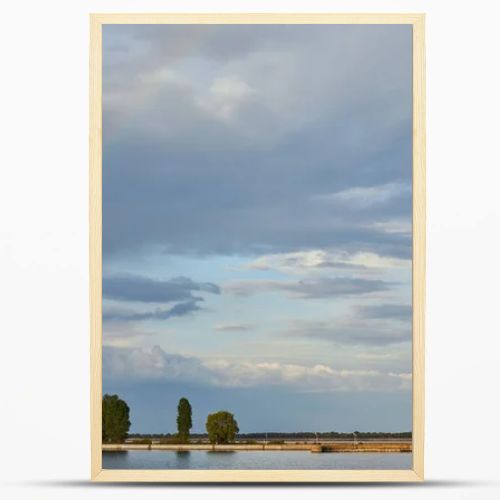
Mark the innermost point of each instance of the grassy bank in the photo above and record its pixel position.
(338, 447)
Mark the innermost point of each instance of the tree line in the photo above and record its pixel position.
(325, 435)
(288, 436)
(221, 426)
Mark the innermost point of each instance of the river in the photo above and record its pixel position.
(282, 460)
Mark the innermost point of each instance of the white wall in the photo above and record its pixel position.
(44, 416)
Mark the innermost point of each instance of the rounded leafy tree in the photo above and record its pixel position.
(221, 427)
(115, 419)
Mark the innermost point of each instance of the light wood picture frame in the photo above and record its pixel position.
(416, 473)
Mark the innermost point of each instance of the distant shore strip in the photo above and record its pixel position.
(332, 447)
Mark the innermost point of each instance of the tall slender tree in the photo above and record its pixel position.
(184, 421)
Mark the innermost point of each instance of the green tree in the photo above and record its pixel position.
(115, 419)
(221, 427)
(184, 422)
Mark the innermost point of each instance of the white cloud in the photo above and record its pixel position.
(394, 226)
(225, 97)
(124, 334)
(161, 76)
(151, 363)
(233, 327)
(157, 364)
(375, 261)
(376, 356)
(325, 260)
(318, 377)
(365, 197)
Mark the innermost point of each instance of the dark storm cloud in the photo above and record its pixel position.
(339, 287)
(239, 139)
(142, 289)
(386, 311)
(310, 289)
(180, 309)
(154, 45)
(350, 332)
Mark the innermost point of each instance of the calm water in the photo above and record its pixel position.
(157, 459)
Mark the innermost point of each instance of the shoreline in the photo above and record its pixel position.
(330, 447)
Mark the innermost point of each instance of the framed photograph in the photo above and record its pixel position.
(257, 247)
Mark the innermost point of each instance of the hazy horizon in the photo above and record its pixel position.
(257, 218)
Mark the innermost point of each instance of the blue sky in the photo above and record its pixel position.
(257, 224)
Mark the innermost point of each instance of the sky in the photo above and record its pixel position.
(257, 207)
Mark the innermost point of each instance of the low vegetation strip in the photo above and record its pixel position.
(341, 447)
